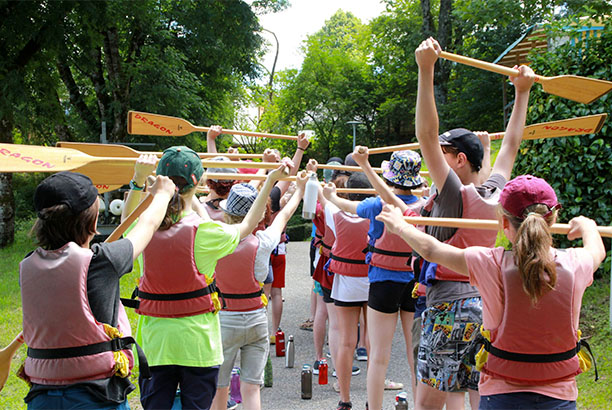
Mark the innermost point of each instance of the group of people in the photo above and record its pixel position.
(475, 317)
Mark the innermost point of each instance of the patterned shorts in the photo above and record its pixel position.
(450, 339)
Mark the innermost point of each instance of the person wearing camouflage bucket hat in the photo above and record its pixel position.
(239, 200)
(403, 169)
(181, 161)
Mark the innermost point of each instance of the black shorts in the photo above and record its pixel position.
(348, 304)
(327, 295)
(389, 296)
(313, 252)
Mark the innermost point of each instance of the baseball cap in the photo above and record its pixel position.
(72, 189)
(181, 161)
(358, 180)
(526, 190)
(465, 141)
(348, 160)
(403, 169)
(213, 170)
(239, 200)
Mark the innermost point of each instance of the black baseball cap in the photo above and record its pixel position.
(465, 141)
(72, 189)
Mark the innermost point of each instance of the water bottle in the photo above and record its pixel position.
(311, 192)
(235, 386)
(290, 353)
(268, 373)
(280, 343)
(306, 382)
(401, 401)
(322, 371)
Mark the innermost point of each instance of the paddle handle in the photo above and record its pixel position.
(392, 148)
(250, 133)
(496, 68)
(142, 206)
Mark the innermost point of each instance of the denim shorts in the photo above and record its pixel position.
(524, 400)
(246, 333)
(450, 339)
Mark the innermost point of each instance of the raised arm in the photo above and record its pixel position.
(211, 138)
(255, 214)
(361, 156)
(426, 123)
(425, 245)
(514, 131)
(288, 210)
(145, 165)
(329, 192)
(585, 228)
(485, 168)
(302, 145)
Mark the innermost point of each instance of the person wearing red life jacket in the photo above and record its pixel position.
(178, 326)
(244, 322)
(454, 159)
(389, 271)
(531, 296)
(85, 364)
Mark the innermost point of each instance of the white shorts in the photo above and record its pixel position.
(350, 288)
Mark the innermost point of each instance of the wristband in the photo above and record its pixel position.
(301, 148)
(135, 187)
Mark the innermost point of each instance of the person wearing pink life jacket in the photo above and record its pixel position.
(74, 324)
(240, 275)
(219, 189)
(178, 326)
(389, 262)
(454, 160)
(531, 296)
(350, 282)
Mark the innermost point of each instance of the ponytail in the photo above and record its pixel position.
(176, 204)
(531, 250)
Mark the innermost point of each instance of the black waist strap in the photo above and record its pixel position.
(177, 296)
(374, 249)
(242, 295)
(346, 260)
(531, 358)
(326, 246)
(113, 345)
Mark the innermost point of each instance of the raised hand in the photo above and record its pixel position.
(269, 155)
(312, 165)
(163, 186)
(525, 80)
(329, 190)
(579, 225)
(278, 173)
(303, 142)
(393, 219)
(361, 155)
(300, 179)
(214, 131)
(427, 53)
(145, 165)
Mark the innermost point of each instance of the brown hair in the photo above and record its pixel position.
(531, 250)
(176, 204)
(232, 219)
(57, 225)
(222, 188)
(449, 149)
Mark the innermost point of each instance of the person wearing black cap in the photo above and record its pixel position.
(65, 281)
(454, 160)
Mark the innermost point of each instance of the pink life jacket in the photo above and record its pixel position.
(544, 334)
(474, 207)
(57, 315)
(235, 275)
(327, 242)
(171, 285)
(390, 251)
(347, 257)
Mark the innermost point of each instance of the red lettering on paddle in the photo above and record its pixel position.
(154, 124)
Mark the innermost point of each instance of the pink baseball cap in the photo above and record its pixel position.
(526, 190)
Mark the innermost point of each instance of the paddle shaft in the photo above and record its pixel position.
(123, 226)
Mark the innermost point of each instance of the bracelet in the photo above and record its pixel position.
(135, 187)
(300, 148)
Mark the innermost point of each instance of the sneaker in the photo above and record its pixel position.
(336, 387)
(344, 405)
(231, 404)
(307, 325)
(315, 367)
(391, 385)
(356, 370)
(361, 354)
(272, 339)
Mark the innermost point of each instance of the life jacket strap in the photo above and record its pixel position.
(529, 357)
(373, 249)
(347, 260)
(177, 296)
(242, 295)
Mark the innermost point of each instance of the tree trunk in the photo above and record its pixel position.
(7, 199)
(428, 28)
(444, 38)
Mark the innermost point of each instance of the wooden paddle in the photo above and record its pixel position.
(114, 150)
(575, 88)
(144, 123)
(590, 124)
(371, 191)
(489, 224)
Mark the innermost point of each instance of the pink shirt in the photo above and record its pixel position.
(484, 265)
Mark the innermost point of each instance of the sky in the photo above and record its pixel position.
(305, 17)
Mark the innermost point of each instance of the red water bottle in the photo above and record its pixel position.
(280, 343)
(322, 371)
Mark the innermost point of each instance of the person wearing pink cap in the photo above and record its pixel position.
(531, 296)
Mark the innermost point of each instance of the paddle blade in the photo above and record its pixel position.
(34, 158)
(117, 173)
(582, 89)
(142, 123)
(590, 124)
(100, 150)
(103, 188)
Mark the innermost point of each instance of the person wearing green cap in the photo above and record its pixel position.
(178, 328)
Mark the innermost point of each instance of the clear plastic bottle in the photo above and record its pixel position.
(306, 382)
(311, 191)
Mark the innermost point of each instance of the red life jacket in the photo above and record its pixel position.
(235, 275)
(474, 207)
(347, 257)
(216, 214)
(390, 251)
(171, 285)
(539, 332)
(319, 222)
(327, 242)
(57, 315)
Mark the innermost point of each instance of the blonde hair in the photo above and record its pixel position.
(232, 219)
(531, 249)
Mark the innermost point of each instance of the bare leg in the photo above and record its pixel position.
(348, 318)
(250, 396)
(429, 398)
(220, 400)
(362, 329)
(456, 401)
(407, 318)
(332, 337)
(277, 307)
(380, 334)
(474, 398)
(313, 305)
(318, 328)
